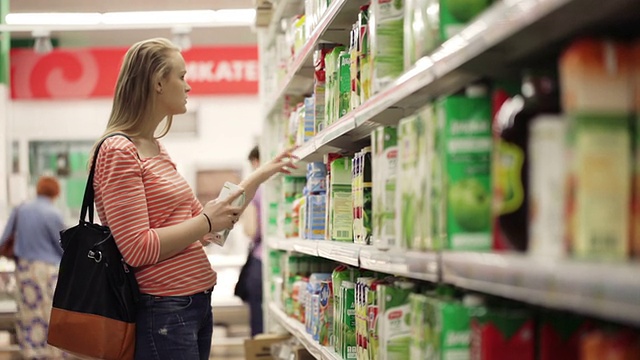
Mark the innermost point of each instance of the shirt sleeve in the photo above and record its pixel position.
(11, 223)
(125, 206)
(55, 224)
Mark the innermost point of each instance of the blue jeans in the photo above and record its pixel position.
(174, 327)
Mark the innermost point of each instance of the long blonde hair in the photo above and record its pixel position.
(144, 65)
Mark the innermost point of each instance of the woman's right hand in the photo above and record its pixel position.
(222, 214)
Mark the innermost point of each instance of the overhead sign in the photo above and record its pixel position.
(92, 72)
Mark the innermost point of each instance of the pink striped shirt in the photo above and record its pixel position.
(136, 196)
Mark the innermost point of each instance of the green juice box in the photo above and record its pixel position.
(449, 327)
(344, 84)
(408, 217)
(386, 25)
(384, 143)
(418, 325)
(340, 274)
(464, 139)
(348, 342)
(394, 332)
(341, 211)
(372, 320)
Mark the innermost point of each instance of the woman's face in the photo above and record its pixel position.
(174, 88)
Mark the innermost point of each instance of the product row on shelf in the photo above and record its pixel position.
(342, 312)
(480, 146)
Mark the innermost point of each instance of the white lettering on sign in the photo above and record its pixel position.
(229, 71)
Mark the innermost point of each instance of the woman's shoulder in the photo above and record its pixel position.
(118, 143)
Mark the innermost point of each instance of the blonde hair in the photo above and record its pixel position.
(144, 65)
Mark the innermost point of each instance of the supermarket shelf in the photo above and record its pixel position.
(410, 264)
(333, 26)
(283, 9)
(609, 291)
(508, 33)
(297, 329)
(415, 265)
(344, 252)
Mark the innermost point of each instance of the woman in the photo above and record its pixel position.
(153, 214)
(252, 223)
(37, 226)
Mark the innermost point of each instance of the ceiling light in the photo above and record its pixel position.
(235, 15)
(159, 17)
(53, 18)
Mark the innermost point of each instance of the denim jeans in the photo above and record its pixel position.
(174, 327)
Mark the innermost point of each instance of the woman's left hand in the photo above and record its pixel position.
(283, 163)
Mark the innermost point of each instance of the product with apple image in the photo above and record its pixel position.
(344, 84)
(465, 153)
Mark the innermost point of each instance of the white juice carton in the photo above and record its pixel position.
(228, 189)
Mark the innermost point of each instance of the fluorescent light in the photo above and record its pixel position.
(53, 18)
(159, 17)
(235, 15)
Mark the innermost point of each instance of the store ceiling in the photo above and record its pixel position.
(201, 36)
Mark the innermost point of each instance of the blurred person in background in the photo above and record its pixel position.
(252, 223)
(37, 226)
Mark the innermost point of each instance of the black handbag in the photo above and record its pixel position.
(94, 303)
(242, 290)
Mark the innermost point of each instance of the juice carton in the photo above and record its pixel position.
(344, 84)
(362, 184)
(426, 152)
(325, 321)
(320, 84)
(340, 274)
(227, 189)
(316, 178)
(610, 344)
(394, 331)
(316, 210)
(386, 25)
(635, 213)
(384, 142)
(464, 140)
(365, 69)
(502, 334)
(354, 56)
(547, 173)
(312, 320)
(455, 14)
(372, 320)
(348, 342)
(362, 331)
(449, 327)
(418, 325)
(408, 219)
(560, 335)
(597, 97)
(341, 212)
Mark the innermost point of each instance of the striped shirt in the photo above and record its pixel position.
(136, 196)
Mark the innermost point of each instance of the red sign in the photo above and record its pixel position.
(92, 73)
